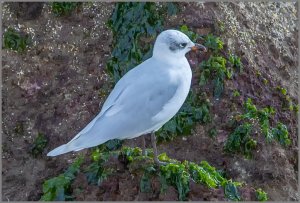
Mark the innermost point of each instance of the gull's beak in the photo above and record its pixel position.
(199, 47)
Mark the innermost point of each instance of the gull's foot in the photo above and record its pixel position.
(159, 163)
(144, 152)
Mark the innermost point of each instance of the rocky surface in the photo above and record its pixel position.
(55, 88)
(262, 29)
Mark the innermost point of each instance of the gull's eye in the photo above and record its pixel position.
(182, 45)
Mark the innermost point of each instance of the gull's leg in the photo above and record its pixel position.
(153, 140)
(143, 145)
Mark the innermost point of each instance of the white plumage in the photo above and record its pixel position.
(144, 99)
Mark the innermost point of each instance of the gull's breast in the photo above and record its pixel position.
(182, 76)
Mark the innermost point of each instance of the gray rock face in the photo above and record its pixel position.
(27, 10)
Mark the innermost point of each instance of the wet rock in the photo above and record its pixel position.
(27, 10)
(169, 195)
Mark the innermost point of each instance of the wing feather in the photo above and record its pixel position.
(129, 109)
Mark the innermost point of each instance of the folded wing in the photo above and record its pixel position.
(128, 111)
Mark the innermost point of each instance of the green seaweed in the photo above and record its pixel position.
(64, 8)
(281, 134)
(59, 188)
(215, 69)
(241, 141)
(96, 172)
(261, 195)
(38, 145)
(213, 43)
(15, 40)
(134, 23)
(236, 63)
(192, 35)
(195, 109)
(179, 174)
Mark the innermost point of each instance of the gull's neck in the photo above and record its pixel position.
(169, 58)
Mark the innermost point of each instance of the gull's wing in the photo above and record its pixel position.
(140, 95)
(128, 111)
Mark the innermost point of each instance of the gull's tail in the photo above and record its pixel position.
(59, 150)
(88, 137)
(81, 142)
(98, 131)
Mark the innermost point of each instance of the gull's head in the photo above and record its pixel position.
(173, 44)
